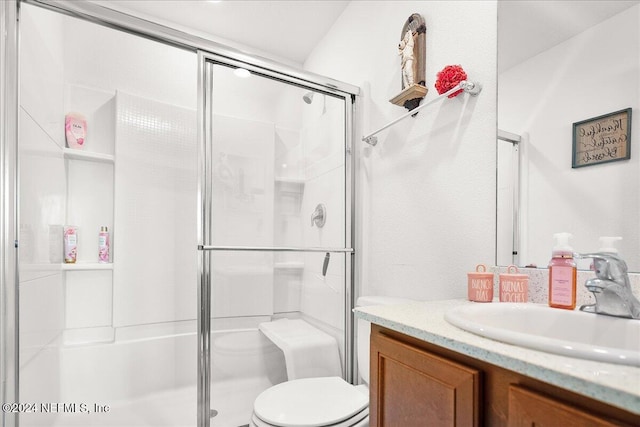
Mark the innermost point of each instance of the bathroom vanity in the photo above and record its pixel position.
(423, 368)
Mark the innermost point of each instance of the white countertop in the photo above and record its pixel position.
(617, 385)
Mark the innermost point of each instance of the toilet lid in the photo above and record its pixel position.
(310, 402)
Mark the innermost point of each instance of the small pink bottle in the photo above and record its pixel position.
(103, 245)
(562, 274)
(70, 235)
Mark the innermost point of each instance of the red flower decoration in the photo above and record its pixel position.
(449, 78)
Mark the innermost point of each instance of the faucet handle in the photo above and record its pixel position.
(607, 265)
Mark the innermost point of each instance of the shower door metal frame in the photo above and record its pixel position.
(160, 33)
(9, 105)
(206, 62)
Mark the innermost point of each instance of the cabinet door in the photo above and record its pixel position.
(411, 387)
(529, 409)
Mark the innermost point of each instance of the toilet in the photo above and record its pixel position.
(318, 400)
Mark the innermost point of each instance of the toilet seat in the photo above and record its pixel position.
(362, 420)
(312, 402)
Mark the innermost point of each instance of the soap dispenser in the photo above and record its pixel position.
(562, 274)
(607, 244)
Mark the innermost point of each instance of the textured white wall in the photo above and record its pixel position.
(591, 74)
(427, 202)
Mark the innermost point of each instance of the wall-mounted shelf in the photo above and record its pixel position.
(70, 153)
(79, 266)
(87, 266)
(288, 265)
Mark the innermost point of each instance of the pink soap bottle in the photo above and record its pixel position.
(562, 274)
(103, 245)
(75, 130)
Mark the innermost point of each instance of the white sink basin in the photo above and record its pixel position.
(567, 332)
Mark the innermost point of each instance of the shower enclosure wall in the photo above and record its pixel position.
(208, 181)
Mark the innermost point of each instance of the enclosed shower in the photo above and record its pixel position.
(227, 184)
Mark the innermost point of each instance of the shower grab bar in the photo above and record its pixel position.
(271, 249)
(471, 88)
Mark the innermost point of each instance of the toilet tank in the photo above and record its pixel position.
(363, 330)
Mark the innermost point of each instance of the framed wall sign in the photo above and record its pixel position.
(602, 139)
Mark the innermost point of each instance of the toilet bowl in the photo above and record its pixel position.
(322, 401)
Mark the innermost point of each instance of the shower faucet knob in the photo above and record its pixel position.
(319, 216)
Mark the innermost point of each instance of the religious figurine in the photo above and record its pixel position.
(412, 52)
(405, 50)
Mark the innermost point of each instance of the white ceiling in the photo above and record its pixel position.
(527, 28)
(288, 30)
(285, 30)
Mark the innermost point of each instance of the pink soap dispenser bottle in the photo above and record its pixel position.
(562, 274)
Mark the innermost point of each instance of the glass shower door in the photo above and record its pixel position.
(276, 228)
(106, 343)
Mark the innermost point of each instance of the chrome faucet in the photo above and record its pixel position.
(611, 287)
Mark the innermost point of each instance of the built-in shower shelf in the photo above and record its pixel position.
(295, 181)
(87, 266)
(70, 153)
(79, 266)
(289, 265)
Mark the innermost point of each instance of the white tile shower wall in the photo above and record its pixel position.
(327, 189)
(103, 59)
(88, 299)
(322, 137)
(42, 48)
(243, 159)
(155, 202)
(243, 215)
(288, 219)
(428, 187)
(42, 196)
(41, 317)
(242, 286)
(42, 204)
(90, 196)
(289, 157)
(98, 107)
(322, 297)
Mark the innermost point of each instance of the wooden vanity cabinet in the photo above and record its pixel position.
(417, 384)
(410, 385)
(528, 408)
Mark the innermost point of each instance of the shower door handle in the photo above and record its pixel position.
(325, 264)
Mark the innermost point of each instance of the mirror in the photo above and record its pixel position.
(559, 63)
